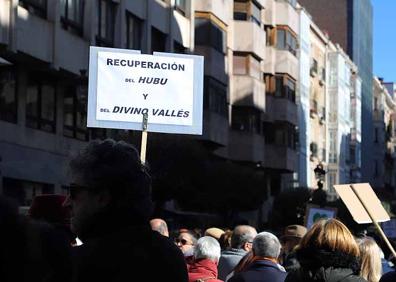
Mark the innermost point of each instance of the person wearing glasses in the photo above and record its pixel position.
(186, 241)
(110, 202)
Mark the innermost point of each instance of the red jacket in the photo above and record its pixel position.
(203, 269)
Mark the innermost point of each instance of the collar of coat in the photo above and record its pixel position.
(311, 258)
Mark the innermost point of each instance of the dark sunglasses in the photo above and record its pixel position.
(75, 189)
(182, 241)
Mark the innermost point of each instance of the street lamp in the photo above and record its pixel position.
(319, 196)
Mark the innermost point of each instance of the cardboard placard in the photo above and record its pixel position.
(124, 85)
(356, 208)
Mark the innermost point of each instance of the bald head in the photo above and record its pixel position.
(242, 237)
(159, 225)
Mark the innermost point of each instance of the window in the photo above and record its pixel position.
(247, 11)
(209, 34)
(285, 87)
(134, 32)
(24, 191)
(286, 40)
(40, 105)
(106, 22)
(180, 5)
(75, 113)
(158, 40)
(246, 119)
(280, 134)
(246, 64)
(72, 14)
(8, 98)
(215, 98)
(38, 7)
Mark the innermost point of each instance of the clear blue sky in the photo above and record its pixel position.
(385, 39)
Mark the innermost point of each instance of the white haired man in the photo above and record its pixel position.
(264, 266)
(206, 258)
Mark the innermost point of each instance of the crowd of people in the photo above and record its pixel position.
(104, 231)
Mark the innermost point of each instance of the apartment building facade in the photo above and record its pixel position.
(44, 48)
(250, 50)
(312, 101)
(384, 154)
(344, 95)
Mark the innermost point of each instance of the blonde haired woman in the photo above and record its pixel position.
(328, 252)
(370, 257)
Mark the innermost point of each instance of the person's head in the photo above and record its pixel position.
(186, 241)
(159, 225)
(370, 257)
(225, 240)
(242, 237)
(214, 232)
(266, 245)
(292, 236)
(108, 181)
(207, 248)
(330, 235)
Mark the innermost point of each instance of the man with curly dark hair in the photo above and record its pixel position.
(110, 200)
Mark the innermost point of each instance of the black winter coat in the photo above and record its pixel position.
(115, 252)
(325, 266)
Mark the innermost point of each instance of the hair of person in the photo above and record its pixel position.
(244, 263)
(117, 168)
(330, 235)
(370, 257)
(242, 234)
(266, 244)
(207, 248)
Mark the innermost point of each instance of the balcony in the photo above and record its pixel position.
(281, 109)
(287, 63)
(221, 9)
(215, 63)
(247, 147)
(280, 157)
(270, 60)
(269, 13)
(249, 37)
(215, 128)
(287, 15)
(248, 91)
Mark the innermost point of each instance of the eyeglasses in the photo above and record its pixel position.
(182, 241)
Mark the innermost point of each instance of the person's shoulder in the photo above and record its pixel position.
(388, 277)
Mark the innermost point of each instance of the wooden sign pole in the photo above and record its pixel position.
(143, 144)
(374, 221)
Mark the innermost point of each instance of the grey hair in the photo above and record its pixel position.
(266, 244)
(207, 248)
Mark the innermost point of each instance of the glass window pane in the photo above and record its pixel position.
(63, 7)
(280, 35)
(68, 109)
(8, 106)
(240, 64)
(256, 13)
(48, 102)
(32, 101)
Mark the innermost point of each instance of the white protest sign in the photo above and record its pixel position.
(124, 85)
